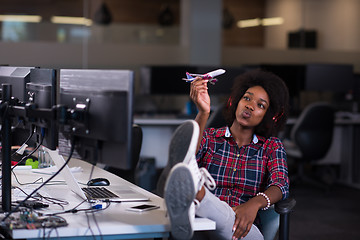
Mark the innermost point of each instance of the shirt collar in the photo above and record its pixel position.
(255, 139)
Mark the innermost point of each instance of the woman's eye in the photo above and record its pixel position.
(246, 98)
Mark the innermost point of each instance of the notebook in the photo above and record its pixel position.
(120, 193)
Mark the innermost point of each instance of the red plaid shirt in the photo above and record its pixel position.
(242, 172)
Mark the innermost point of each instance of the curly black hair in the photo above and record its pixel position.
(276, 115)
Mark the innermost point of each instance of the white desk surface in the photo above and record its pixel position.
(112, 223)
(159, 121)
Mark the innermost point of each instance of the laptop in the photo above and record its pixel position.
(117, 194)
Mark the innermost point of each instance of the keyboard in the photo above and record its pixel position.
(99, 193)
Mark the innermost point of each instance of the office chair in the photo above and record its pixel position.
(136, 143)
(275, 222)
(216, 119)
(310, 138)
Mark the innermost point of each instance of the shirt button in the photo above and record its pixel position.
(238, 155)
(234, 169)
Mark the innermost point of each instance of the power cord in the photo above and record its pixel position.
(48, 180)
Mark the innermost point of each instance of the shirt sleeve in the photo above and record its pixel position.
(277, 167)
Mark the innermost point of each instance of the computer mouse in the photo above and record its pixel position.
(98, 182)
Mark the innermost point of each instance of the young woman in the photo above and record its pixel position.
(245, 158)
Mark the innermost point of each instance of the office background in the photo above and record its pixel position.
(135, 36)
(135, 33)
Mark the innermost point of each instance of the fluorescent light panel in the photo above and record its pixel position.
(272, 21)
(257, 22)
(20, 18)
(249, 23)
(71, 20)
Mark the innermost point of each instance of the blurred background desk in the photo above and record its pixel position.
(157, 132)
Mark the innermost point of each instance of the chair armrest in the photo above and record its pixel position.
(285, 206)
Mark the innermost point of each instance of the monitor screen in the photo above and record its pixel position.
(336, 78)
(165, 80)
(102, 119)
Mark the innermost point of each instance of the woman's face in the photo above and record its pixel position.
(252, 107)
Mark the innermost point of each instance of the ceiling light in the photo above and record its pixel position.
(272, 21)
(71, 20)
(20, 18)
(249, 23)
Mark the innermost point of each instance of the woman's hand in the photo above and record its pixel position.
(245, 215)
(199, 95)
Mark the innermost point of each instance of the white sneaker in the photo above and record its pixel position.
(182, 148)
(184, 179)
(182, 185)
(179, 199)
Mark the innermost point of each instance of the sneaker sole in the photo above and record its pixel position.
(183, 143)
(179, 195)
(182, 147)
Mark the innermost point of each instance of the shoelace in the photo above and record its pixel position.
(207, 179)
(203, 175)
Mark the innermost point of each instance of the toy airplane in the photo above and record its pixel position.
(207, 76)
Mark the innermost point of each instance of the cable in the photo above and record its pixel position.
(31, 153)
(26, 141)
(48, 180)
(87, 210)
(51, 200)
(26, 157)
(32, 130)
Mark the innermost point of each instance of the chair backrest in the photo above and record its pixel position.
(216, 119)
(136, 143)
(313, 131)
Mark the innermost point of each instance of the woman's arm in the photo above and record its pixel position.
(246, 212)
(200, 96)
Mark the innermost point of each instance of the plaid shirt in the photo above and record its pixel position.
(242, 172)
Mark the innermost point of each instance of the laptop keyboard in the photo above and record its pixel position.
(99, 193)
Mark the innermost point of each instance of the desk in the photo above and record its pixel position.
(112, 223)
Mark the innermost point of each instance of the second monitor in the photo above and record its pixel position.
(102, 116)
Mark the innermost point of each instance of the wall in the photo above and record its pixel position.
(235, 56)
(336, 22)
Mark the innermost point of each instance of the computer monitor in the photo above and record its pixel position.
(38, 86)
(165, 80)
(103, 116)
(336, 78)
